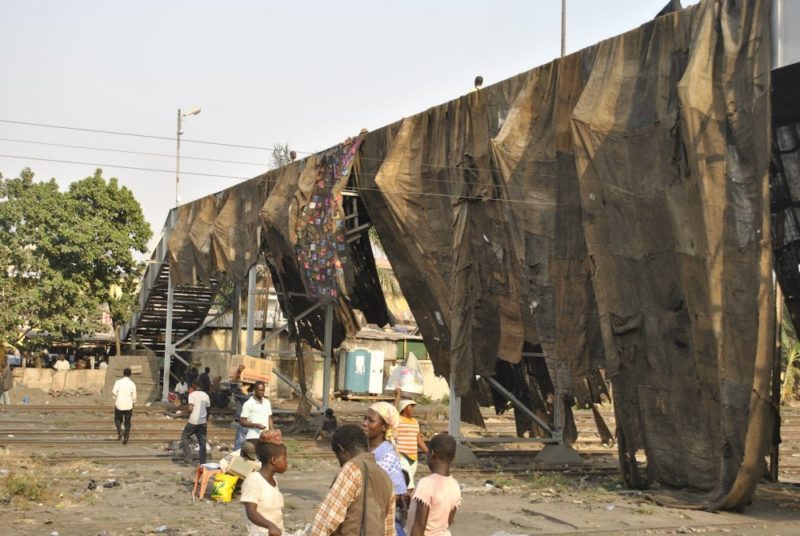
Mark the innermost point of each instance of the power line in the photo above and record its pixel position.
(124, 151)
(119, 133)
(170, 171)
(136, 135)
(352, 189)
(262, 165)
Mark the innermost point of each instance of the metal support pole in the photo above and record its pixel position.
(326, 371)
(251, 307)
(558, 415)
(296, 388)
(236, 326)
(454, 423)
(563, 27)
(518, 404)
(178, 162)
(277, 331)
(774, 455)
(168, 348)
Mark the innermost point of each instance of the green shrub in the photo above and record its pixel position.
(23, 485)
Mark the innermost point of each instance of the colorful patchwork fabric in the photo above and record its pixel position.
(321, 243)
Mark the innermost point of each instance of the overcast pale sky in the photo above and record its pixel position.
(306, 73)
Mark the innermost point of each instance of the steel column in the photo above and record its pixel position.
(518, 404)
(326, 371)
(277, 331)
(251, 307)
(454, 422)
(236, 325)
(168, 348)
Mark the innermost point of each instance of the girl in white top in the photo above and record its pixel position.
(262, 500)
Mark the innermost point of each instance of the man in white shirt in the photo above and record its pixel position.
(182, 389)
(124, 392)
(199, 402)
(256, 413)
(62, 363)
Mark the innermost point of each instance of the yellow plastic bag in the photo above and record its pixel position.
(222, 490)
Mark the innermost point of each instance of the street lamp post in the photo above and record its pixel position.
(563, 27)
(193, 111)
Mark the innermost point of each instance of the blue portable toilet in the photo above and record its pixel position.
(357, 368)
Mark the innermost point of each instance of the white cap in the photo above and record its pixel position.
(405, 403)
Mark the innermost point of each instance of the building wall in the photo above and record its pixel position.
(212, 349)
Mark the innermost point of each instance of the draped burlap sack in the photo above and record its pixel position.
(606, 210)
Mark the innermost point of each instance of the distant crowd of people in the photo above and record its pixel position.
(61, 361)
(374, 493)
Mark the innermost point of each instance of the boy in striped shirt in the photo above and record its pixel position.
(409, 440)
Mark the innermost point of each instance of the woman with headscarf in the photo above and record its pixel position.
(379, 425)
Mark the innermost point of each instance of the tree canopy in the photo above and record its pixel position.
(65, 254)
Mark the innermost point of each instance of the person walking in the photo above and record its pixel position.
(199, 402)
(256, 413)
(379, 425)
(261, 497)
(124, 392)
(361, 499)
(438, 496)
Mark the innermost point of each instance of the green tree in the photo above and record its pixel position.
(65, 254)
(790, 358)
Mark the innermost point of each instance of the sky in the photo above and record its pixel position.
(305, 73)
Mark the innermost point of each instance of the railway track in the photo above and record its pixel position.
(91, 427)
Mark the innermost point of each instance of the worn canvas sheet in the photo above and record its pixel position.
(609, 209)
(222, 236)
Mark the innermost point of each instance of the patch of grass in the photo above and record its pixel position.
(610, 485)
(547, 480)
(292, 447)
(24, 485)
(644, 509)
(501, 481)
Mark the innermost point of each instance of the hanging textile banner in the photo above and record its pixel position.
(321, 245)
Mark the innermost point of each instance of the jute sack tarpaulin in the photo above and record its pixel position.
(666, 131)
(672, 143)
(221, 237)
(218, 235)
(289, 224)
(656, 144)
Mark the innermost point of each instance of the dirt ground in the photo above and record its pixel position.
(41, 498)
(156, 499)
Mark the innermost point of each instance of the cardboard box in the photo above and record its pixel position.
(240, 467)
(255, 369)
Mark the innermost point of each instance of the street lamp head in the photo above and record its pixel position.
(193, 111)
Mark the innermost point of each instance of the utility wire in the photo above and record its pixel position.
(119, 133)
(136, 135)
(106, 149)
(170, 171)
(149, 136)
(262, 165)
(352, 189)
